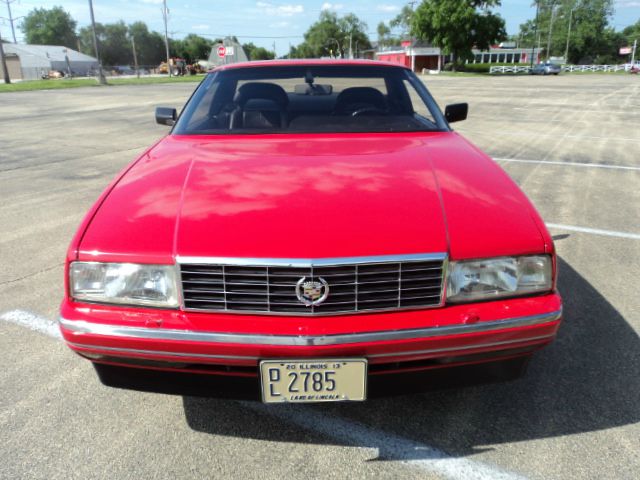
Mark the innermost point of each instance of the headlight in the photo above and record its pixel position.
(124, 283)
(489, 278)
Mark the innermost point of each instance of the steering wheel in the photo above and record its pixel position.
(368, 111)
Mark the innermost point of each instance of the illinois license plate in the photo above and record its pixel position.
(314, 380)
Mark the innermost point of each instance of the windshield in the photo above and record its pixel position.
(310, 99)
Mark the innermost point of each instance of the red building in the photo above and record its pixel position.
(420, 56)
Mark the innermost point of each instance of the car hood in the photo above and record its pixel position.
(312, 196)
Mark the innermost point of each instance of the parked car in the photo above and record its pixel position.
(546, 68)
(632, 67)
(122, 70)
(313, 231)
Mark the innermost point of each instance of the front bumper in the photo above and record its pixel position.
(392, 342)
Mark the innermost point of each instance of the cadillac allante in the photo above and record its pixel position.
(309, 231)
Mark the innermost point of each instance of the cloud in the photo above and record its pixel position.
(279, 24)
(387, 8)
(627, 3)
(154, 2)
(331, 6)
(200, 26)
(286, 10)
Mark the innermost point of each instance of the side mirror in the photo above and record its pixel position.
(456, 112)
(166, 115)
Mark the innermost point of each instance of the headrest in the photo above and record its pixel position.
(360, 97)
(263, 91)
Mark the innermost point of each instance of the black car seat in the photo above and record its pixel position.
(260, 106)
(353, 99)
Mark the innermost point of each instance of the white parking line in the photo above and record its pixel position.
(595, 231)
(388, 445)
(568, 164)
(630, 111)
(32, 322)
(537, 134)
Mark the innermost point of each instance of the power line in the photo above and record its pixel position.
(11, 19)
(222, 35)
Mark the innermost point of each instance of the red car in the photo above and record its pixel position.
(312, 231)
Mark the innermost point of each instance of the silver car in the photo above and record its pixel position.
(546, 68)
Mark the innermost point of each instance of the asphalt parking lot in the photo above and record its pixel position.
(570, 142)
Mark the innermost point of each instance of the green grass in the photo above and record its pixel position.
(57, 83)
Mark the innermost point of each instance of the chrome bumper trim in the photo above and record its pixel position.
(464, 347)
(124, 352)
(84, 327)
(309, 262)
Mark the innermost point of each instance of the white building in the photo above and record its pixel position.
(30, 62)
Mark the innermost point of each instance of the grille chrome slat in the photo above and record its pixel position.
(355, 285)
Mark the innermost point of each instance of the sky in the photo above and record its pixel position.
(263, 22)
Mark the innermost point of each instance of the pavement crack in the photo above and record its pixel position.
(33, 274)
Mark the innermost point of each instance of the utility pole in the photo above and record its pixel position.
(412, 39)
(101, 79)
(165, 14)
(566, 50)
(535, 32)
(553, 14)
(135, 56)
(11, 20)
(3, 61)
(633, 52)
(66, 59)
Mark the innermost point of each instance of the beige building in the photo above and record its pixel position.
(13, 65)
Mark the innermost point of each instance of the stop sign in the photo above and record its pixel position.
(222, 51)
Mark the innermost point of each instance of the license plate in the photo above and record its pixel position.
(314, 380)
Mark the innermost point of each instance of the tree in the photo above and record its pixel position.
(257, 53)
(49, 27)
(383, 33)
(192, 48)
(149, 45)
(403, 20)
(113, 41)
(632, 32)
(331, 35)
(590, 37)
(457, 26)
(196, 47)
(115, 46)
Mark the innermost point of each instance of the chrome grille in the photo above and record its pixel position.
(356, 285)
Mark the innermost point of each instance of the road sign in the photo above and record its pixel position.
(229, 51)
(222, 51)
(625, 50)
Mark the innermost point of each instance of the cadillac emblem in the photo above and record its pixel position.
(312, 292)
